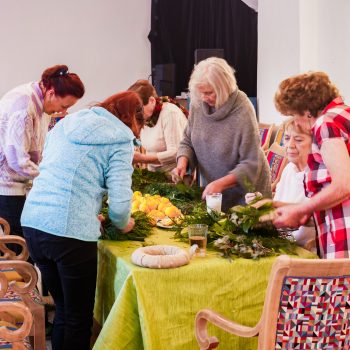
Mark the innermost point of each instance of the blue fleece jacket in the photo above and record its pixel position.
(87, 154)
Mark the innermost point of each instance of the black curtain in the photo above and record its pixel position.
(178, 27)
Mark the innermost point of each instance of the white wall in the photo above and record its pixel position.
(103, 41)
(278, 50)
(300, 35)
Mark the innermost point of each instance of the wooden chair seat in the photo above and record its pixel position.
(12, 275)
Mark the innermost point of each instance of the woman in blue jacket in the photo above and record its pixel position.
(88, 154)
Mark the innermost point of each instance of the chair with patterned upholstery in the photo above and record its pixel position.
(265, 131)
(277, 161)
(26, 293)
(14, 335)
(307, 306)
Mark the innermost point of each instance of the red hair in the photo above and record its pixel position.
(62, 82)
(126, 106)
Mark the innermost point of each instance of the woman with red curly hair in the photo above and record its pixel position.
(87, 155)
(165, 123)
(315, 103)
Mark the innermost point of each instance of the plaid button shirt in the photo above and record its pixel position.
(333, 225)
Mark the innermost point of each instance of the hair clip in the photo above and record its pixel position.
(62, 73)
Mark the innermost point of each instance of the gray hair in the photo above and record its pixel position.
(218, 74)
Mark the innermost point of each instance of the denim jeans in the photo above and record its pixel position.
(68, 267)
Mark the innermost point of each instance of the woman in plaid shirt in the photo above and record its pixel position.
(314, 102)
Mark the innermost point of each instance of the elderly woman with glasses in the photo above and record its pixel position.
(290, 188)
(314, 102)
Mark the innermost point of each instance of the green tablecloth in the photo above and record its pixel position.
(153, 309)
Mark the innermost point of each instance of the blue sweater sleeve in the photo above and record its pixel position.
(118, 181)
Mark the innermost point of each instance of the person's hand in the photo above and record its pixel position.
(101, 218)
(129, 226)
(138, 157)
(289, 215)
(178, 173)
(213, 187)
(249, 197)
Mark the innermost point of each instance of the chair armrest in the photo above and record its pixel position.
(206, 342)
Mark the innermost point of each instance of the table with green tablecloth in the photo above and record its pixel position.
(154, 309)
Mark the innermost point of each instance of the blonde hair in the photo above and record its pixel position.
(217, 73)
(290, 124)
(311, 91)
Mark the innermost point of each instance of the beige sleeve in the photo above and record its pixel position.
(173, 125)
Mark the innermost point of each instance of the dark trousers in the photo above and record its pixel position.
(11, 210)
(68, 267)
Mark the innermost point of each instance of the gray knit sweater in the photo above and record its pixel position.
(227, 141)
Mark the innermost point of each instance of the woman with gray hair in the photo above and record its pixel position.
(222, 137)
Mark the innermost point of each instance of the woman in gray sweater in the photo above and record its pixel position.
(222, 137)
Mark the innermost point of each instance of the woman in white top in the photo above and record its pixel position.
(165, 123)
(290, 188)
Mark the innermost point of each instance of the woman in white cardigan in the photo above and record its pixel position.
(165, 123)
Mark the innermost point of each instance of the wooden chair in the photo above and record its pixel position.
(5, 227)
(26, 293)
(265, 131)
(279, 137)
(307, 306)
(10, 331)
(6, 253)
(277, 161)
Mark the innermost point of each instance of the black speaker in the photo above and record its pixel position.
(202, 54)
(164, 79)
